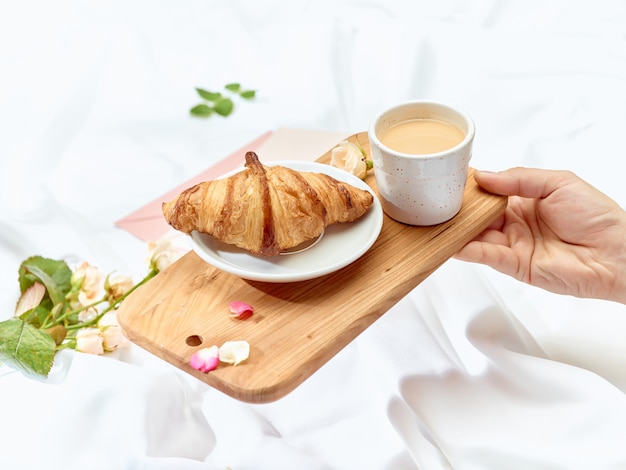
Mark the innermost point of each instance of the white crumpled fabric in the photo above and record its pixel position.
(471, 370)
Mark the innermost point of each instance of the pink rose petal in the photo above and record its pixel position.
(206, 359)
(240, 310)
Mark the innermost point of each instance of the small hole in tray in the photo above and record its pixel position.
(193, 340)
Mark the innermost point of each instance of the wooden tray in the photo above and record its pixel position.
(296, 327)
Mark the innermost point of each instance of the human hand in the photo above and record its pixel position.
(558, 233)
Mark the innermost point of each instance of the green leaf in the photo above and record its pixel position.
(209, 95)
(219, 103)
(35, 316)
(248, 94)
(233, 87)
(25, 348)
(224, 107)
(57, 333)
(55, 275)
(201, 110)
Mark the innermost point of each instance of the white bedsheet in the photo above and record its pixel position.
(472, 370)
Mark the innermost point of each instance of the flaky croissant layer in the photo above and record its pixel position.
(266, 209)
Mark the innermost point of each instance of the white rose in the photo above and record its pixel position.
(348, 157)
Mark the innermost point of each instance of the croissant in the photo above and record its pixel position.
(266, 209)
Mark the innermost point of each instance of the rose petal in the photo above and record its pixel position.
(30, 299)
(205, 360)
(234, 352)
(240, 310)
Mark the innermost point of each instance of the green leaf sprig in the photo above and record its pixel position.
(220, 103)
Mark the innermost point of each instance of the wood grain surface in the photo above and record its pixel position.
(296, 327)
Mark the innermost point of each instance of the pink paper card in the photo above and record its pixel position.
(148, 224)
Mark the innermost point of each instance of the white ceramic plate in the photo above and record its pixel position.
(339, 245)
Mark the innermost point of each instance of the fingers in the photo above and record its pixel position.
(499, 257)
(524, 182)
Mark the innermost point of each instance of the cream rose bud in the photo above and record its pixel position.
(117, 285)
(162, 254)
(89, 340)
(89, 280)
(87, 315)
(112, 334)
(348, 157)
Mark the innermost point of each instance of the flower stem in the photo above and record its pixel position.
(113, 305)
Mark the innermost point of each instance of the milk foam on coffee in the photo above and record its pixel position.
(421, 136)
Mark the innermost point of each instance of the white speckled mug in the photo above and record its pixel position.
(426, 186)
